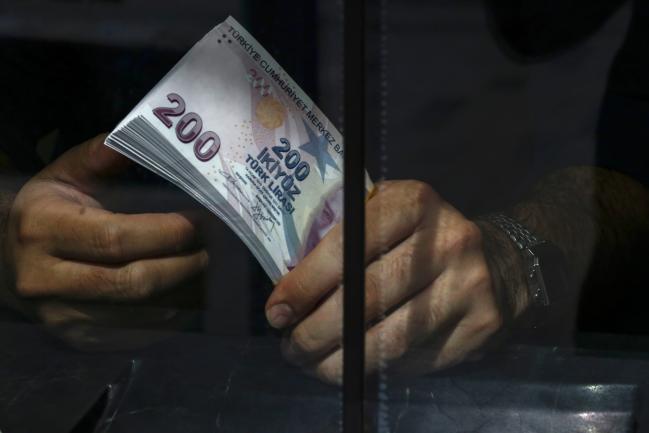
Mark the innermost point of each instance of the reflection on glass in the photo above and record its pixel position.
(505, 280)
(512, 217)
(128, 304)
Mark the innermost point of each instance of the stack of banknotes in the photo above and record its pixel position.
(232, 129)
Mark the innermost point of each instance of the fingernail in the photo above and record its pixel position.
(279, 316)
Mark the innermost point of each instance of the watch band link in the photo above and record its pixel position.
(525, 240)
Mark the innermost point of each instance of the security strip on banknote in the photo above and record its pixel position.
(232, 129)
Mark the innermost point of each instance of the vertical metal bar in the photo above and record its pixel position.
(354, 217)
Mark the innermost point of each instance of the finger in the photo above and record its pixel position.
(96, 326)
(137, 280)
(393, 214)
(431, 314)
(57, 313)
(389, 281)
(96, 235)
(465, 340)
(449, 349)
(87, 164)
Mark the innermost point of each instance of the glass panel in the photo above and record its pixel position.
(491, 126)
(111, 317)
(512, 220)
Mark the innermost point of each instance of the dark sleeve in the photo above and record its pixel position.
(34, 98)
(623, 135)
(532, 29)
(70, 90)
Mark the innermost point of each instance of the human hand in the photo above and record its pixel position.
(66, 251)
(428, 286)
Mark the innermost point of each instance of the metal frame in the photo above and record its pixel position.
(354, 217)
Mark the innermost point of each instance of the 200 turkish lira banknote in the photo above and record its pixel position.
(230, 127)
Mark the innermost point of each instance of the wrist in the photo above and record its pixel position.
(507, 271)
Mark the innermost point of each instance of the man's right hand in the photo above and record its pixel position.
(61, 242)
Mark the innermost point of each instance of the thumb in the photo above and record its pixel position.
(87, 165)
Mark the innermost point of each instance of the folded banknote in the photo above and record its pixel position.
(232, 129)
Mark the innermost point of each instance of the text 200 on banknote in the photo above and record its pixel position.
(190, 128)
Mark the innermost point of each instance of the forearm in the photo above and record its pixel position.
(596, 217)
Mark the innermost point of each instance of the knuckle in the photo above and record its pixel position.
(422, 193)
(132, 282)
(419, 198)
(388, 271)
(394, 343)
(465, 237)
(487, 316)
(403, 266)
(298, 286)
(91, 149)
(375, 302)
(27, 286)
(473, 233)
(478, 284)
(488, 322)
(396, 348)
(33, 220)
(97, 143)
(182, 232)
(385, 186)
(26, 228)
(24, 232)
(303, 341)
(96, 280)
(433, 318)
(481, 278)
(373, 283)
(109, 240)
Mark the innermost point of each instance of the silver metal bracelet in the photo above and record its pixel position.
(526, 242)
